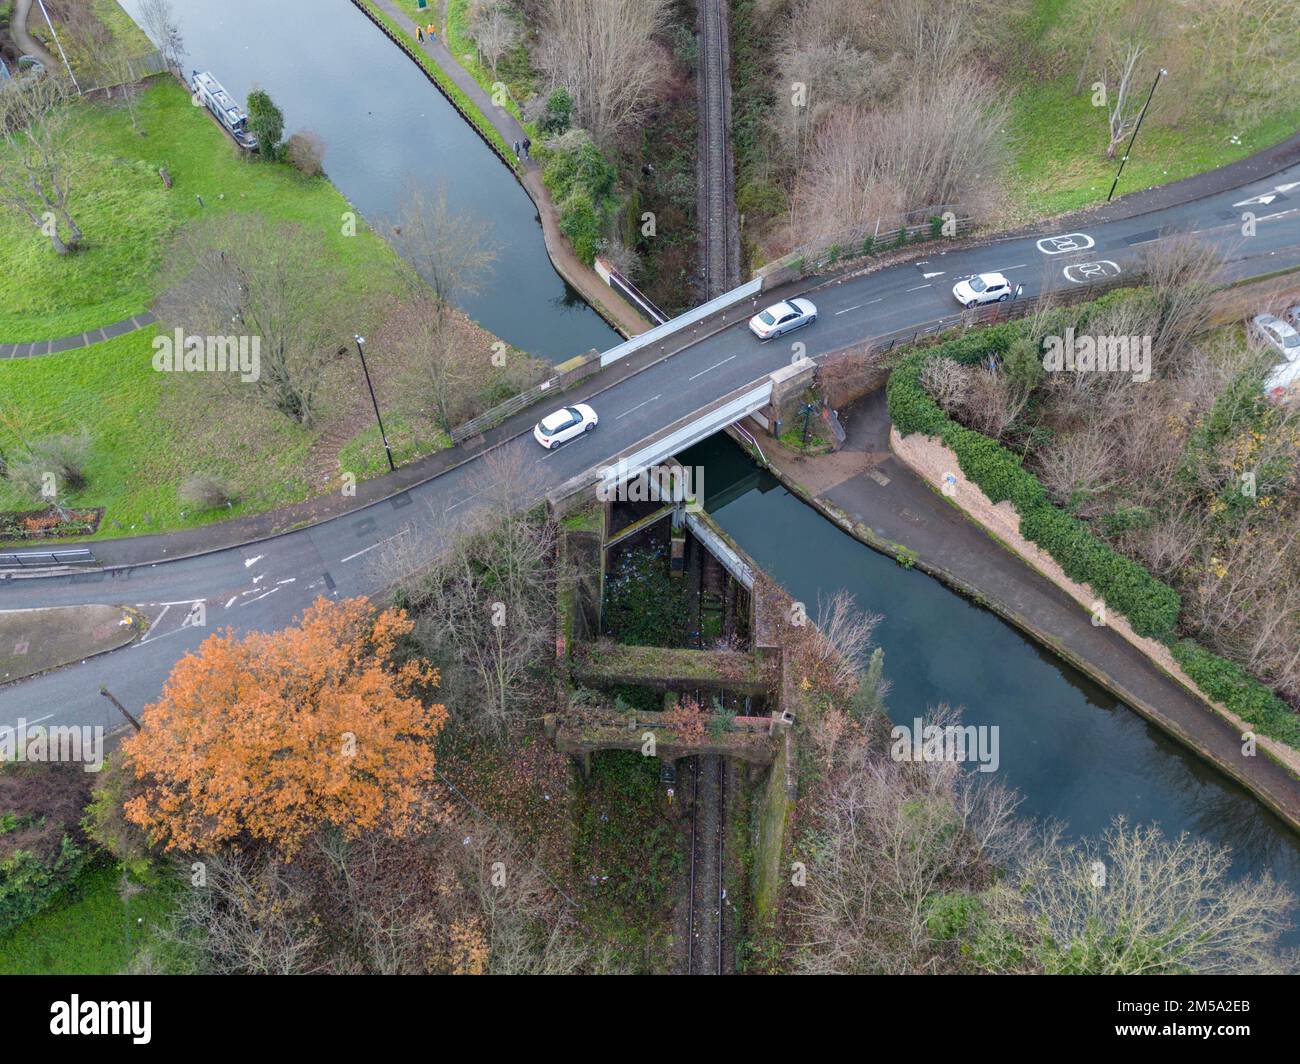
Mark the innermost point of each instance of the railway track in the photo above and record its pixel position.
(716, 208)
(705, 922)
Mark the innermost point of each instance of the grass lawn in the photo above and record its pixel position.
(128, 216)
(149, 431)
(94, 932)
(1058, 139)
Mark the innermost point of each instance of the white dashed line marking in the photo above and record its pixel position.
(637, 407)
(711, 368)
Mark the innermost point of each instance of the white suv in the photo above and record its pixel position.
(982, 288)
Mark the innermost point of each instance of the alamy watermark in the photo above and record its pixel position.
(660, 483)
(60, 744)
(946, 742)
(179, 353)
(1098, 354)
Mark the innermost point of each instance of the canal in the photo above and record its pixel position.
(1074, 752)
(384, 125)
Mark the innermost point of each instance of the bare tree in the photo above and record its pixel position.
(159, 22)
(447, 249)
(495, 29)
(40, 161)
(1136, 903)
(239, 275)
(603, 53)
(439, 371)
(935, 146)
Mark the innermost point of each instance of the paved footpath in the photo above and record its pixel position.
(878, 499)
(586, 280)
(82, 339)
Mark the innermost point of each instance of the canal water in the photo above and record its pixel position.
(331, 70)
(1073, 751)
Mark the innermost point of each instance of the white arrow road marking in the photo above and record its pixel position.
(250, 562)
(231, 601)
(262, 596)
(937, 273)
(1269, 197)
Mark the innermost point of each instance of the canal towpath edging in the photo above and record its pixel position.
(875, 496)
(604, 300)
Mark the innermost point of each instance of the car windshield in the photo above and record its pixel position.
(766, 317)
(977, 284)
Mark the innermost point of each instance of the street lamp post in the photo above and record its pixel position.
(1131, 139)
(361, 345)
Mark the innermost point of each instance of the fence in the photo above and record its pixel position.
(869, 238)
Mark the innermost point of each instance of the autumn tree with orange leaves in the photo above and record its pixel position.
(273, 736)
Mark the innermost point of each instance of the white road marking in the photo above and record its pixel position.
(919, 287)
(264, 594)
(937, 273)
(231, 601)
(556, 450)
(155, 624)
(468, 498)
(637, 407)
(361, 552)
(1008, 269)
(711, 368)
(858, 306)
(250, 562)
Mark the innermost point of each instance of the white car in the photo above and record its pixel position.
(565, 424)
(1278, 334)
(982, 288)
(782, 318)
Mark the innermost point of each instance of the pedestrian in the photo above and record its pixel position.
(419, 34)
(528, 143)
(516, 149)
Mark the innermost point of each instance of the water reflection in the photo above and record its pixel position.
(331, 70)
(1070, 748)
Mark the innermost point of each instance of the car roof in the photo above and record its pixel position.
(558, 419)
(994, 278)
(777, 309)
(1270, 319)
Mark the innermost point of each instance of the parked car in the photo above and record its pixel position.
(783, 317)
(982, 288)
(1283, 382)
(1277, 334)
(1292, 316)
(565, 424)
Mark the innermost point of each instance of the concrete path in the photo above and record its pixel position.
(607, 302)
(27, 44)
(878, 499)
(82, 339)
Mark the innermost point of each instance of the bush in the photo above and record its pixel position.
(41, 847)
(64, 457)
(558, 113)
(580, 222)
(199, 491)
(574, 162)
(1151, 607)
(305, 152)
(1228, 683)
(266, 123)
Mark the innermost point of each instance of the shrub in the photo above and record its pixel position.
(199, 491)
(41, 847)
(575, 162)
(64, 457)
(1228, 683)
(266, 123)
(580, 222)
(558, 113)
(305, 152)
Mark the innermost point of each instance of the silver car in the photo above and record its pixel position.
(783, 317)
(1278, 335)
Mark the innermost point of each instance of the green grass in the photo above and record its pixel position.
(149, 430)
(94, 932)
(364, 454)
(128, 216)
(1058, 139)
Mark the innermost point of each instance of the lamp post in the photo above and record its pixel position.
(1142, 115)
(361, 350)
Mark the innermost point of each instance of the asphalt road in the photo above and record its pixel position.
(264, 586)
